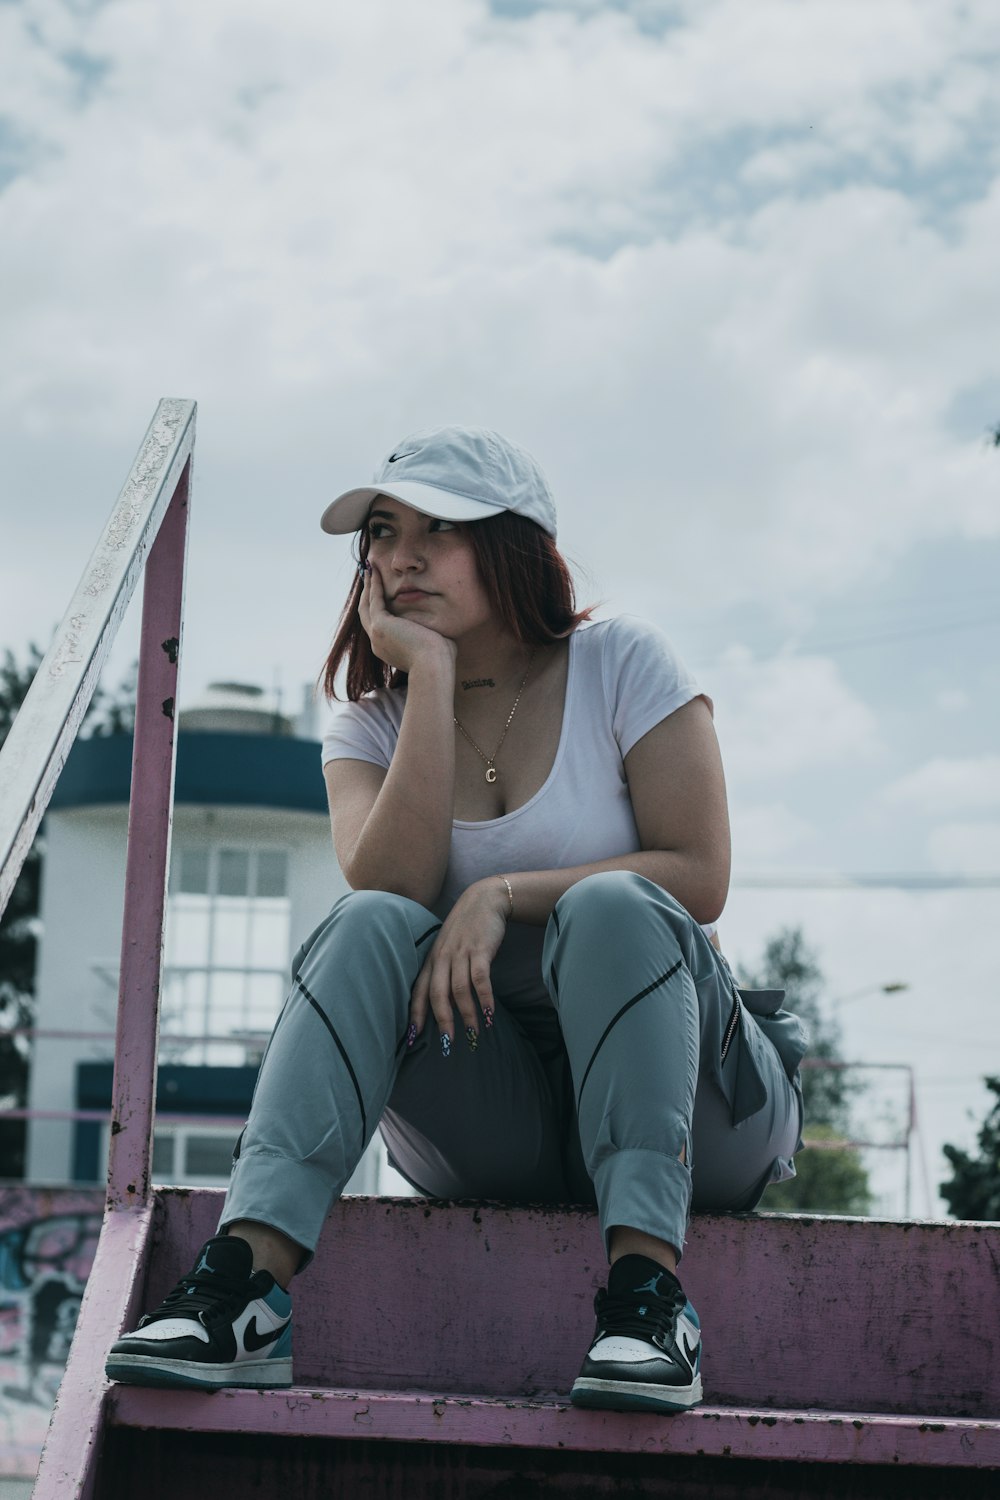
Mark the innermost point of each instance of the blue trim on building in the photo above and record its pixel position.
(180, 1090)
(216, 769)
(86, 1152)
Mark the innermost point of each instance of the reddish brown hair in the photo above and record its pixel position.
(527, 581)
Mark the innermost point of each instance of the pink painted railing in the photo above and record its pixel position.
(146, 535)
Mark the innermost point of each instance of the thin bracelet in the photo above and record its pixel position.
(510, 897)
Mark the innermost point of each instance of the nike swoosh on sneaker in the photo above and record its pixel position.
(690, 1350)
(252, 1340)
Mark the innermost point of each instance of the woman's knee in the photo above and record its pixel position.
(366, 919)
(605, 891)
(374, 908)
(612, 895)
(609, 915)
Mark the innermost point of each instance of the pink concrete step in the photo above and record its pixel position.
(826, 1340)
(476, 1421)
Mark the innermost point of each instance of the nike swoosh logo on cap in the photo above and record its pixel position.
(410, 453)
(252, 1340)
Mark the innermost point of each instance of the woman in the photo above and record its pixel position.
(521, 986)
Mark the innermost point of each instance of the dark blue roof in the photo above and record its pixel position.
(241, 770)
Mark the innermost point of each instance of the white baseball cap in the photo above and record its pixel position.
(455, 474)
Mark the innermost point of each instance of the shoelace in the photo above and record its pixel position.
(618, 1313)
(201, 1297)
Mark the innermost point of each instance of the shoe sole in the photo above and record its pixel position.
(141, 1369)
(632, 1395)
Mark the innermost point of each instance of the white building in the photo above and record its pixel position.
(252, 873)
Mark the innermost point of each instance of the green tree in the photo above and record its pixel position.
(829, 1180)
(974, 1189)
(18, 944)
(109, 712)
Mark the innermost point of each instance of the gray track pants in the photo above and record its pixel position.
(635, 1078)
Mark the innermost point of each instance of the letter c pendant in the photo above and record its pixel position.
(491, 774)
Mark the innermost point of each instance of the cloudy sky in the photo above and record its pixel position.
(727, 268)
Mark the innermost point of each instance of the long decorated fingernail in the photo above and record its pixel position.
(488, 1017)
(411, 1034)
(361, 570)
(472, 1037)
(445, 1044)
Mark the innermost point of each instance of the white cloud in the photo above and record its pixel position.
(953, 700)
(967, 848)
(950, 785)
(359, 220)
(789, 714)
(764, 833)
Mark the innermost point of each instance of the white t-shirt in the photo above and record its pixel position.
(623, 678)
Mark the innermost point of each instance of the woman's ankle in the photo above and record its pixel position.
(626, 1241)
(272, 1250)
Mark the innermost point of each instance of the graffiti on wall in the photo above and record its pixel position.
(48, 1238)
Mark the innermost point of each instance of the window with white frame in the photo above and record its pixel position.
(188, 1155)
(226, 959)
(193, 1156)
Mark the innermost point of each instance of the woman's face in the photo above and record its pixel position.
(427, 567)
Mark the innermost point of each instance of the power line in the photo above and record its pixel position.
(890, 636)
(885, 636)
(949, 1080)
(790, 880)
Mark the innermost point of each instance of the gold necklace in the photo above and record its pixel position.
(491, 770)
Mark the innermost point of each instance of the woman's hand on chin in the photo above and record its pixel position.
(399, 642)
(457, 969)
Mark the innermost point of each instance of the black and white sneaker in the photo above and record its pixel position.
(223, 1324)
(646, 1354)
